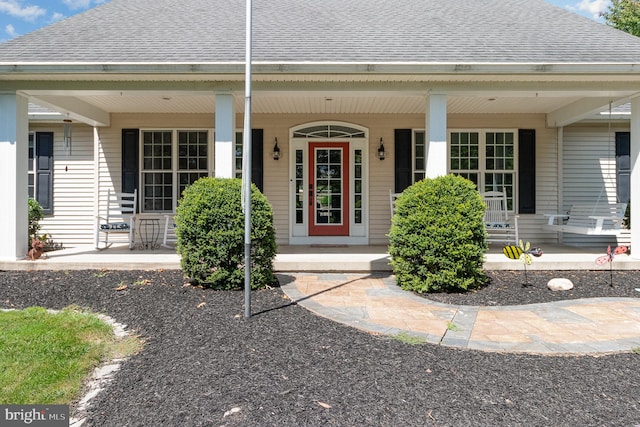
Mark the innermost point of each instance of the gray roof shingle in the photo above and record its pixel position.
(327, 31)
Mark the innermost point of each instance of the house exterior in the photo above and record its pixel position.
(508, 93)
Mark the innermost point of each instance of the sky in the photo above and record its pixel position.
(18, 17)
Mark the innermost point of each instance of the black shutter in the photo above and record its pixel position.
(527, 171)
(130, 164)
(402, 159)
(257, 158)
(623, 166)
(44, 171)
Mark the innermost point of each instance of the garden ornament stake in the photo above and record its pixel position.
(608, 258)
(523, 253)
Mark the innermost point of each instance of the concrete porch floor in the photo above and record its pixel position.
(310, 259)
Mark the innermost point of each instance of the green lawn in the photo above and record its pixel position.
(45, 357)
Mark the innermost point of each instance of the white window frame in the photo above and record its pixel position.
(418, 173)
(482, 171)
(175, 171)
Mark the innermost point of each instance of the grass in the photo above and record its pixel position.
(409, 339)
(46, 357)
(452, 327)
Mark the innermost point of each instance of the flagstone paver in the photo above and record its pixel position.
(374, 303)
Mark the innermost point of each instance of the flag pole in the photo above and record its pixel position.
(246, 166)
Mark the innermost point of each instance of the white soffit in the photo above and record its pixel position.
(318, 103)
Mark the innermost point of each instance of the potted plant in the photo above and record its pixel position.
(37, 247)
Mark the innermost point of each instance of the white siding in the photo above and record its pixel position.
(73, 184)
(589, 172)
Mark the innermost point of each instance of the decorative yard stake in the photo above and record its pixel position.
(608, 258)
(523, 253)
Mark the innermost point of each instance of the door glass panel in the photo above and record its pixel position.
(357, 187)
(328, 178)
(299, 187)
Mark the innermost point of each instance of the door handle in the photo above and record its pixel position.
(310, 194)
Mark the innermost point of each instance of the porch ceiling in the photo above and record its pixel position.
(313, 103)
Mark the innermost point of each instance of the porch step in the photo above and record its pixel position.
(310, 259)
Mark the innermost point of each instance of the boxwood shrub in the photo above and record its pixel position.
(210, 231)
(437, 238)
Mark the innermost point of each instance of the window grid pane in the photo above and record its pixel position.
(157, 150)
(193, 147)
(31, 186)
(328, 177)
(357, 190)
(238, 157)
(158, 188)
(495, 170)
(157, 175)
(192, 150)
(299, 187)
(464, 152)
(419, 156)
(500, 164)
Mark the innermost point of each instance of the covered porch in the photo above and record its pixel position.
(337, 123)
(311, 258)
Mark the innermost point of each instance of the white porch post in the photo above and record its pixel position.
(14, 135)
(635, 178)
(436, 135)
(225, 135)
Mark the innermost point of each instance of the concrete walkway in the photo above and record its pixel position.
(373, 302)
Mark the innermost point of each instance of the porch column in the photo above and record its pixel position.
(14, 136)
(436, 135)
(635, 177)
(225, 136)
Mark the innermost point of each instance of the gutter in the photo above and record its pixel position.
(24, 68)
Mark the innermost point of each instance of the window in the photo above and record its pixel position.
(31, 166)
(160, 171)
(419, 156)
(238, 155)
(623, 166)
(485, 157)
(192, 157)
(40, 170)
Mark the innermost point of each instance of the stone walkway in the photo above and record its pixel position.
(373, 302)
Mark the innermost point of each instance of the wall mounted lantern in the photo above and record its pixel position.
(276, 151)
(381, 153)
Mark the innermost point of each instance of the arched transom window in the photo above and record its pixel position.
(329, 131)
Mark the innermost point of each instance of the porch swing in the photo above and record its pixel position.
(601, 219)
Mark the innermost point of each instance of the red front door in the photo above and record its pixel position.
(329, 189)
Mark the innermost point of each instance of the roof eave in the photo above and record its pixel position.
(22, 69)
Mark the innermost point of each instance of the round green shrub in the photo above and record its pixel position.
(437, 240)
(210, 230)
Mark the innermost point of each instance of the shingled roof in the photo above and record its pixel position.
(327, 31)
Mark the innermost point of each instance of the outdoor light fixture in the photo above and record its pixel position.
(276, 151)
(67, 136)
(381, 153)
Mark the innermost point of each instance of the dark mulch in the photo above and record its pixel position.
(514, 288)
(288, 367)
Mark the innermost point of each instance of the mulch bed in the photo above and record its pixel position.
(514, 288)
(288, 367)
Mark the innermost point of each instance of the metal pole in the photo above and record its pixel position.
(246, 167)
